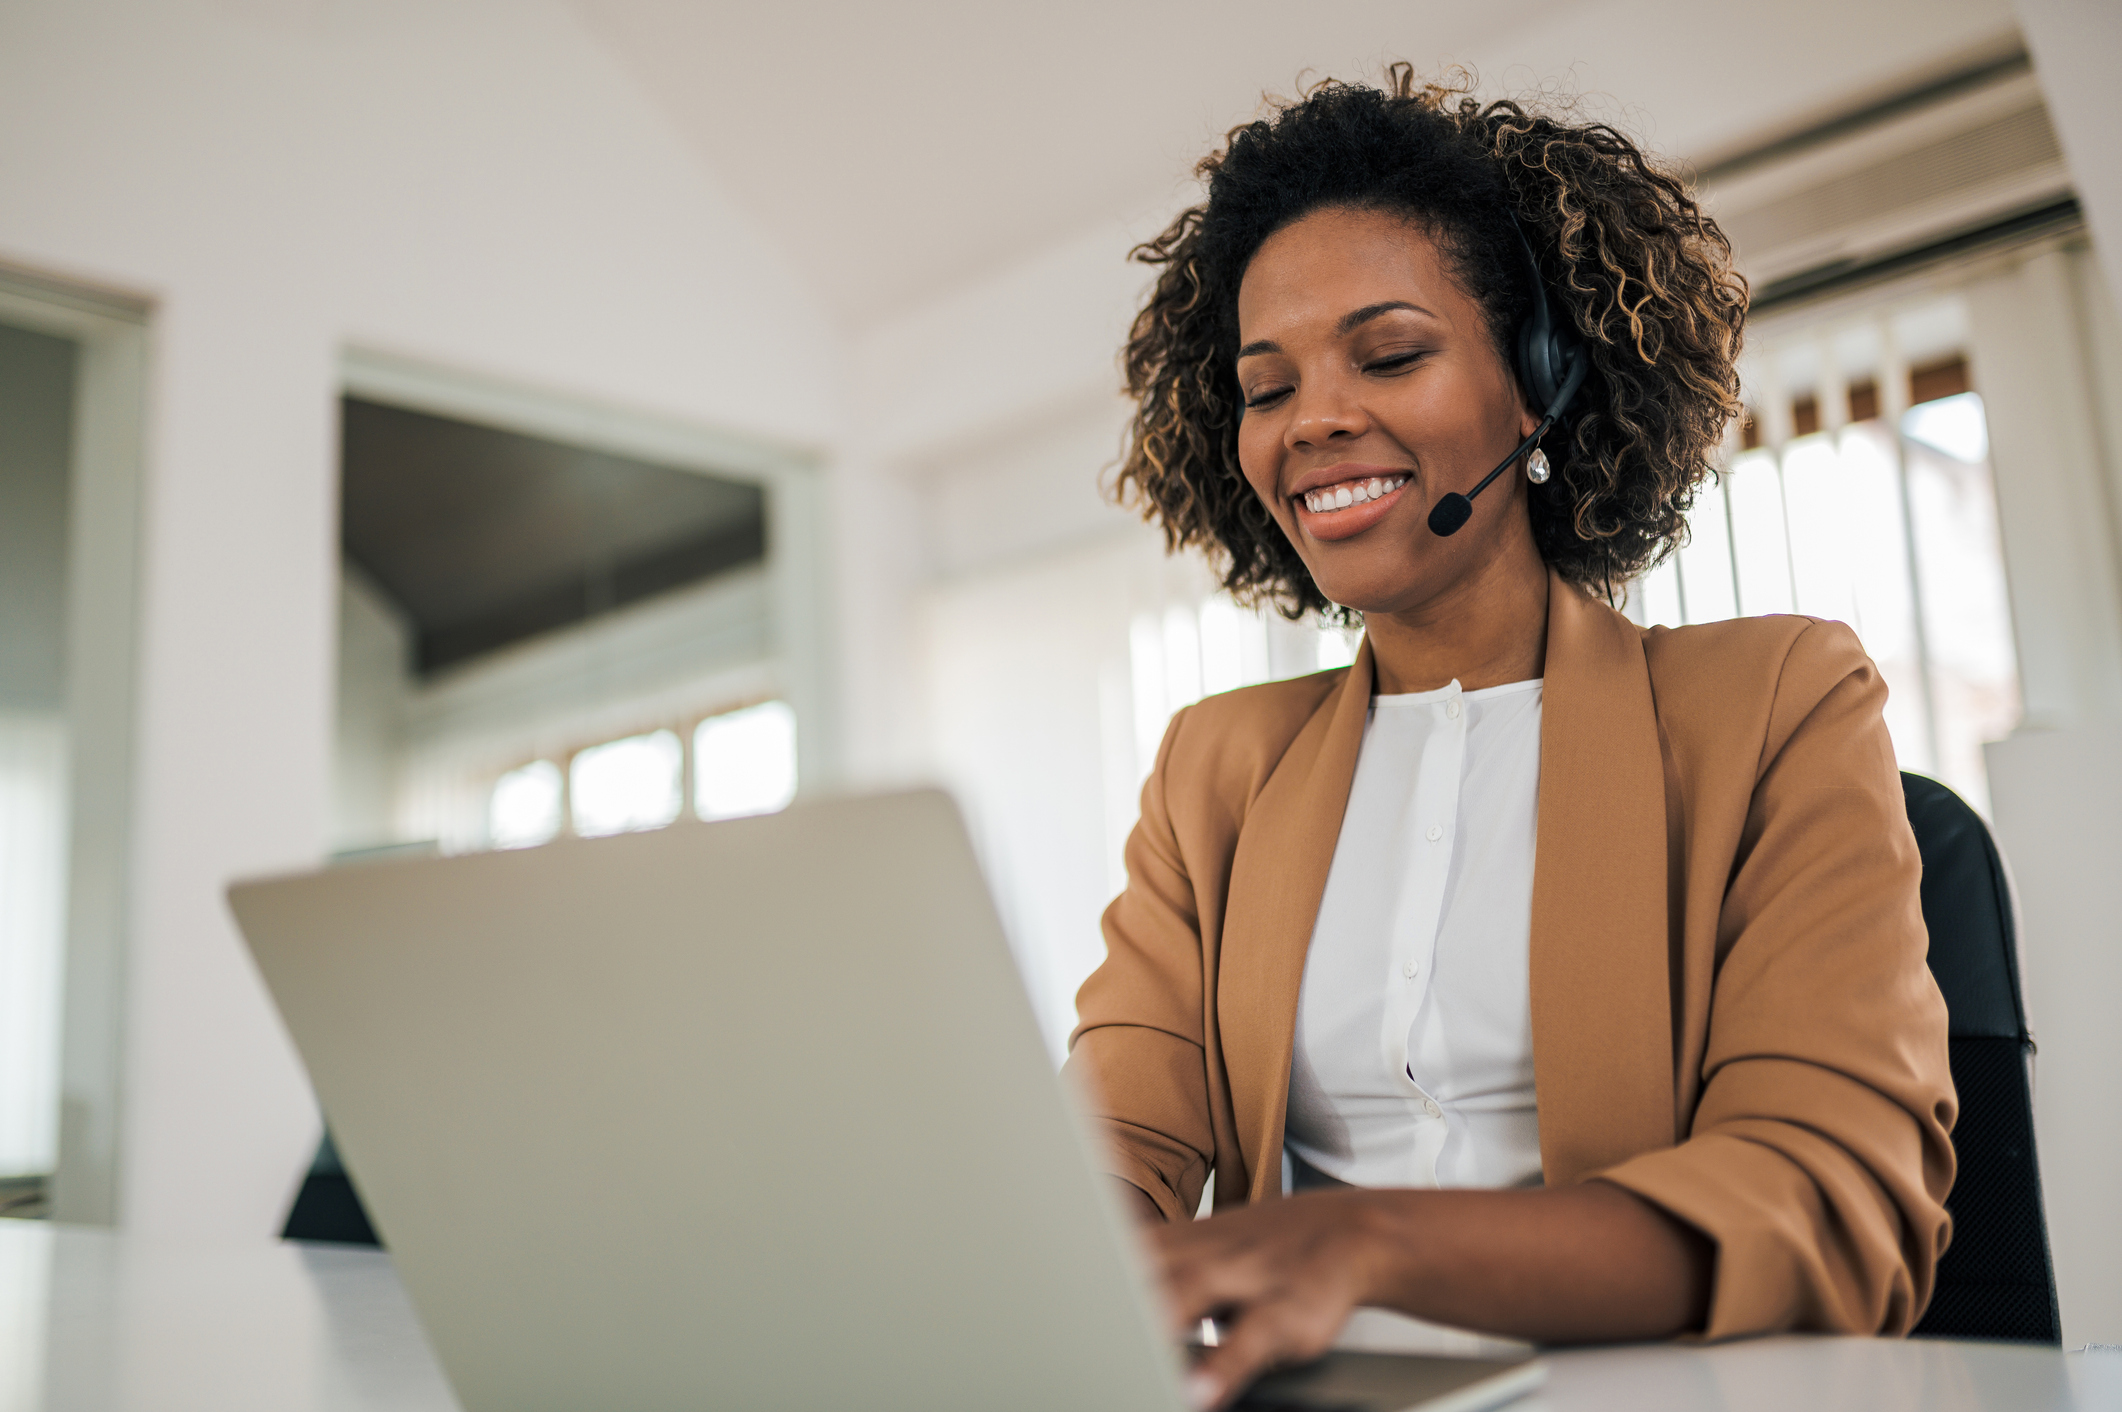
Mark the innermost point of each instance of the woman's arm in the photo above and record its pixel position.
(1136, 1054)
(1556, 1265)
(1817, 1154)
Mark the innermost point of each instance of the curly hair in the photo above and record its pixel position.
(1627, 255)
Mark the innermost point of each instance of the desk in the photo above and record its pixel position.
(92, 1321)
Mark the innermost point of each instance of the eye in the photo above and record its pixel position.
(1393, 362)
(1265, 398)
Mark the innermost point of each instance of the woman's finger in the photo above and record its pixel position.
(1268, 1335)
(1202, 1278)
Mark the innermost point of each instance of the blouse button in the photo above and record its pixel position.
(1429, 1106)
(1451, 709)
(1411, 969)
(1435, 833)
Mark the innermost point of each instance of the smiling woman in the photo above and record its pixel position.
(1615, 931)
(1645, 279)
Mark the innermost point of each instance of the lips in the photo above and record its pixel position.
(1349, 506)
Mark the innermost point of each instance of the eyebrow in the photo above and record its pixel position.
(1349, 323)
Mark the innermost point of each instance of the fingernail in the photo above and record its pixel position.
(1201, 1390)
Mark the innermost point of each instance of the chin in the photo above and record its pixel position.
(1372, 593)
(1365, 603)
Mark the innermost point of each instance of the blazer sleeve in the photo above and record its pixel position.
(1138, 1054)
(1819, 1156)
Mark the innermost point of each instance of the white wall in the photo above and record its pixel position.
(2048, 360)
(467, 182)
(374, 674)
(2074, 44)
(980, 426)
(1026, 667)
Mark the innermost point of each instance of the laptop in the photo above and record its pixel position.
(750, 1115)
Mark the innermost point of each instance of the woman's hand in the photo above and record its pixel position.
(1556, 1265)
(1283, 1277)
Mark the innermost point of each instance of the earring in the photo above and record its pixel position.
(1536, 469)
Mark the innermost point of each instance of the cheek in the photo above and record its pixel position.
(1451, 414)
(1259, 456)
(1423, 417)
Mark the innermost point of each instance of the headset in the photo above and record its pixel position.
(1552, 364)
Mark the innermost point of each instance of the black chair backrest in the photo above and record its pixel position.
(327, 1207)
(1995, 1282)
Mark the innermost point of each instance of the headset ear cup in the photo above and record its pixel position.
(1528, 372)
(1552, 360)
(1570, 361)
(1536, 367)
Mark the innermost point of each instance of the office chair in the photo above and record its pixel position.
(1996, 1281)
(327, 1208)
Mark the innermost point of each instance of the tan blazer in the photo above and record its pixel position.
(1732, 1016)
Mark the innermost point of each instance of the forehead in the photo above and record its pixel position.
(1319, 268)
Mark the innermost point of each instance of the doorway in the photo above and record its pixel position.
(72, 388)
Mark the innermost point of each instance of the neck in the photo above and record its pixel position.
(1485, 630)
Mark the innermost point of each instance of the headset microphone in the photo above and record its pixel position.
(1454, 510)
(1551, 366)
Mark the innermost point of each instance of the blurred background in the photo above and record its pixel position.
(459, 424)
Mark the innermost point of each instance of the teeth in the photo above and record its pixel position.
(1340, 497)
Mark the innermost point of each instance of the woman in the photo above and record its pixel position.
(1663, 880)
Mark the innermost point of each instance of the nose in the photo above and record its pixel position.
(1325, 412)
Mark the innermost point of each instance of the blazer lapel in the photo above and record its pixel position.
(1601, 967)
(1278, 874)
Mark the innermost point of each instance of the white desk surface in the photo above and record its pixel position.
(91, 1321)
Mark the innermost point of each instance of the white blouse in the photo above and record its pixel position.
(1413, 1061)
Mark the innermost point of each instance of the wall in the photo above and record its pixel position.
(1026, 669)
(987, 624)
(2048, 360)
(467, 182)
(373, 673)
(978, 429)
(2056, 782)
(2074, 43)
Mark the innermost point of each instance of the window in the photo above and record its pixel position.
(525, 807)
(635, 783)
(1868, 500)
(744, 762)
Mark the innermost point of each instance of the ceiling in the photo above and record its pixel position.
(896, 151)
(485, 537)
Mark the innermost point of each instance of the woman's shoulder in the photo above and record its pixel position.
(1763, 674)
(1266, 716)
(1762, 649)
(1228, 744)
